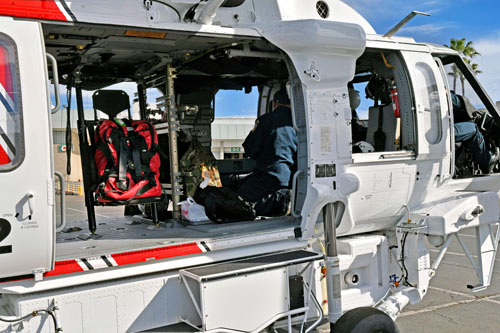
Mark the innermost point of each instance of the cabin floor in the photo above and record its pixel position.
(117, 233)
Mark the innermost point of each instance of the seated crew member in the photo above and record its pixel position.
(358, 130)
(273, 144)
(467, 132)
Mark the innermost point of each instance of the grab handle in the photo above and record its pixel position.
(294, 193)
(55, 77)
(62, 224)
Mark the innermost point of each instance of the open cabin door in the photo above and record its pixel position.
(26, 191)
(432, 110)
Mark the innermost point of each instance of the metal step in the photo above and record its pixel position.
(250, 265)
(270, 287)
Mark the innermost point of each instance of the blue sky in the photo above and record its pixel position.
(236, 103)
(475, 20)
(471, 19)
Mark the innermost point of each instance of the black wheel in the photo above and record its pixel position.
(365, 320)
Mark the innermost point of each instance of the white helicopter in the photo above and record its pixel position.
(353, 251)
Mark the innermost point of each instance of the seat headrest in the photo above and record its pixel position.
(111, 102)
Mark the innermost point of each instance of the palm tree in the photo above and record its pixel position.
(474, 69)
(457, 45)
(467, 51)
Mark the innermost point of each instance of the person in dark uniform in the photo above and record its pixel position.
(273, 144)
(358, 130)
(467, 132)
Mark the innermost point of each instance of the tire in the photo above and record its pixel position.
(365, 320)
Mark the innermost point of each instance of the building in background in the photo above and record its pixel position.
(228, 134)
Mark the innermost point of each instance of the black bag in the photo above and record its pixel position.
(224, 205)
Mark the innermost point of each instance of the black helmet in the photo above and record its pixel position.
(378, 89)
(281, 97)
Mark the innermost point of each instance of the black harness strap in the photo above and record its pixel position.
(69, 137)
(133, 138)
(122, 163)
(136, 157)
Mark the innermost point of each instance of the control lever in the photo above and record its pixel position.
(485, 116)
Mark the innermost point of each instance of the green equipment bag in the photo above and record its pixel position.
(197, 164)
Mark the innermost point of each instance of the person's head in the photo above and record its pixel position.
(354, 98)
(281, 98)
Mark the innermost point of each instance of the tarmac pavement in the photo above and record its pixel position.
(76, 210)
(449, 305)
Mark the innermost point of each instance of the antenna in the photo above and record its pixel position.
(404, 22)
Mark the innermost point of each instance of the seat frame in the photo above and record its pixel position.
(111, 103)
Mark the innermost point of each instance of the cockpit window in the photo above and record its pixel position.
(11, 129)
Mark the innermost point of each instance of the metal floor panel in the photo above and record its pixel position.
(126, 233)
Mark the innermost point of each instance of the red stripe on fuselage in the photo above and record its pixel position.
(155, 254)
(125, 258)
(4, 158)
(5, 72)
(42, 9)
(64, 267)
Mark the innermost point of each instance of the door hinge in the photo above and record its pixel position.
(50, 192)
(38, 274)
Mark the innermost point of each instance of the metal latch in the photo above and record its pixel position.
(38, 274)
(313, 73)
(148, 4)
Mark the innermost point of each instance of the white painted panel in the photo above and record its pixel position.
(71, 317)
(265, 293)
(31, 235)
(384, 190)
(130, 306)
(101, 315)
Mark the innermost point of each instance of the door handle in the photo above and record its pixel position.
(55, 77)
(294, 194)
(30, 204)
(60, 226)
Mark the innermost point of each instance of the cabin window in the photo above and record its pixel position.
(11, 129)
(429, 97)
(382, 107)
(235, 115)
